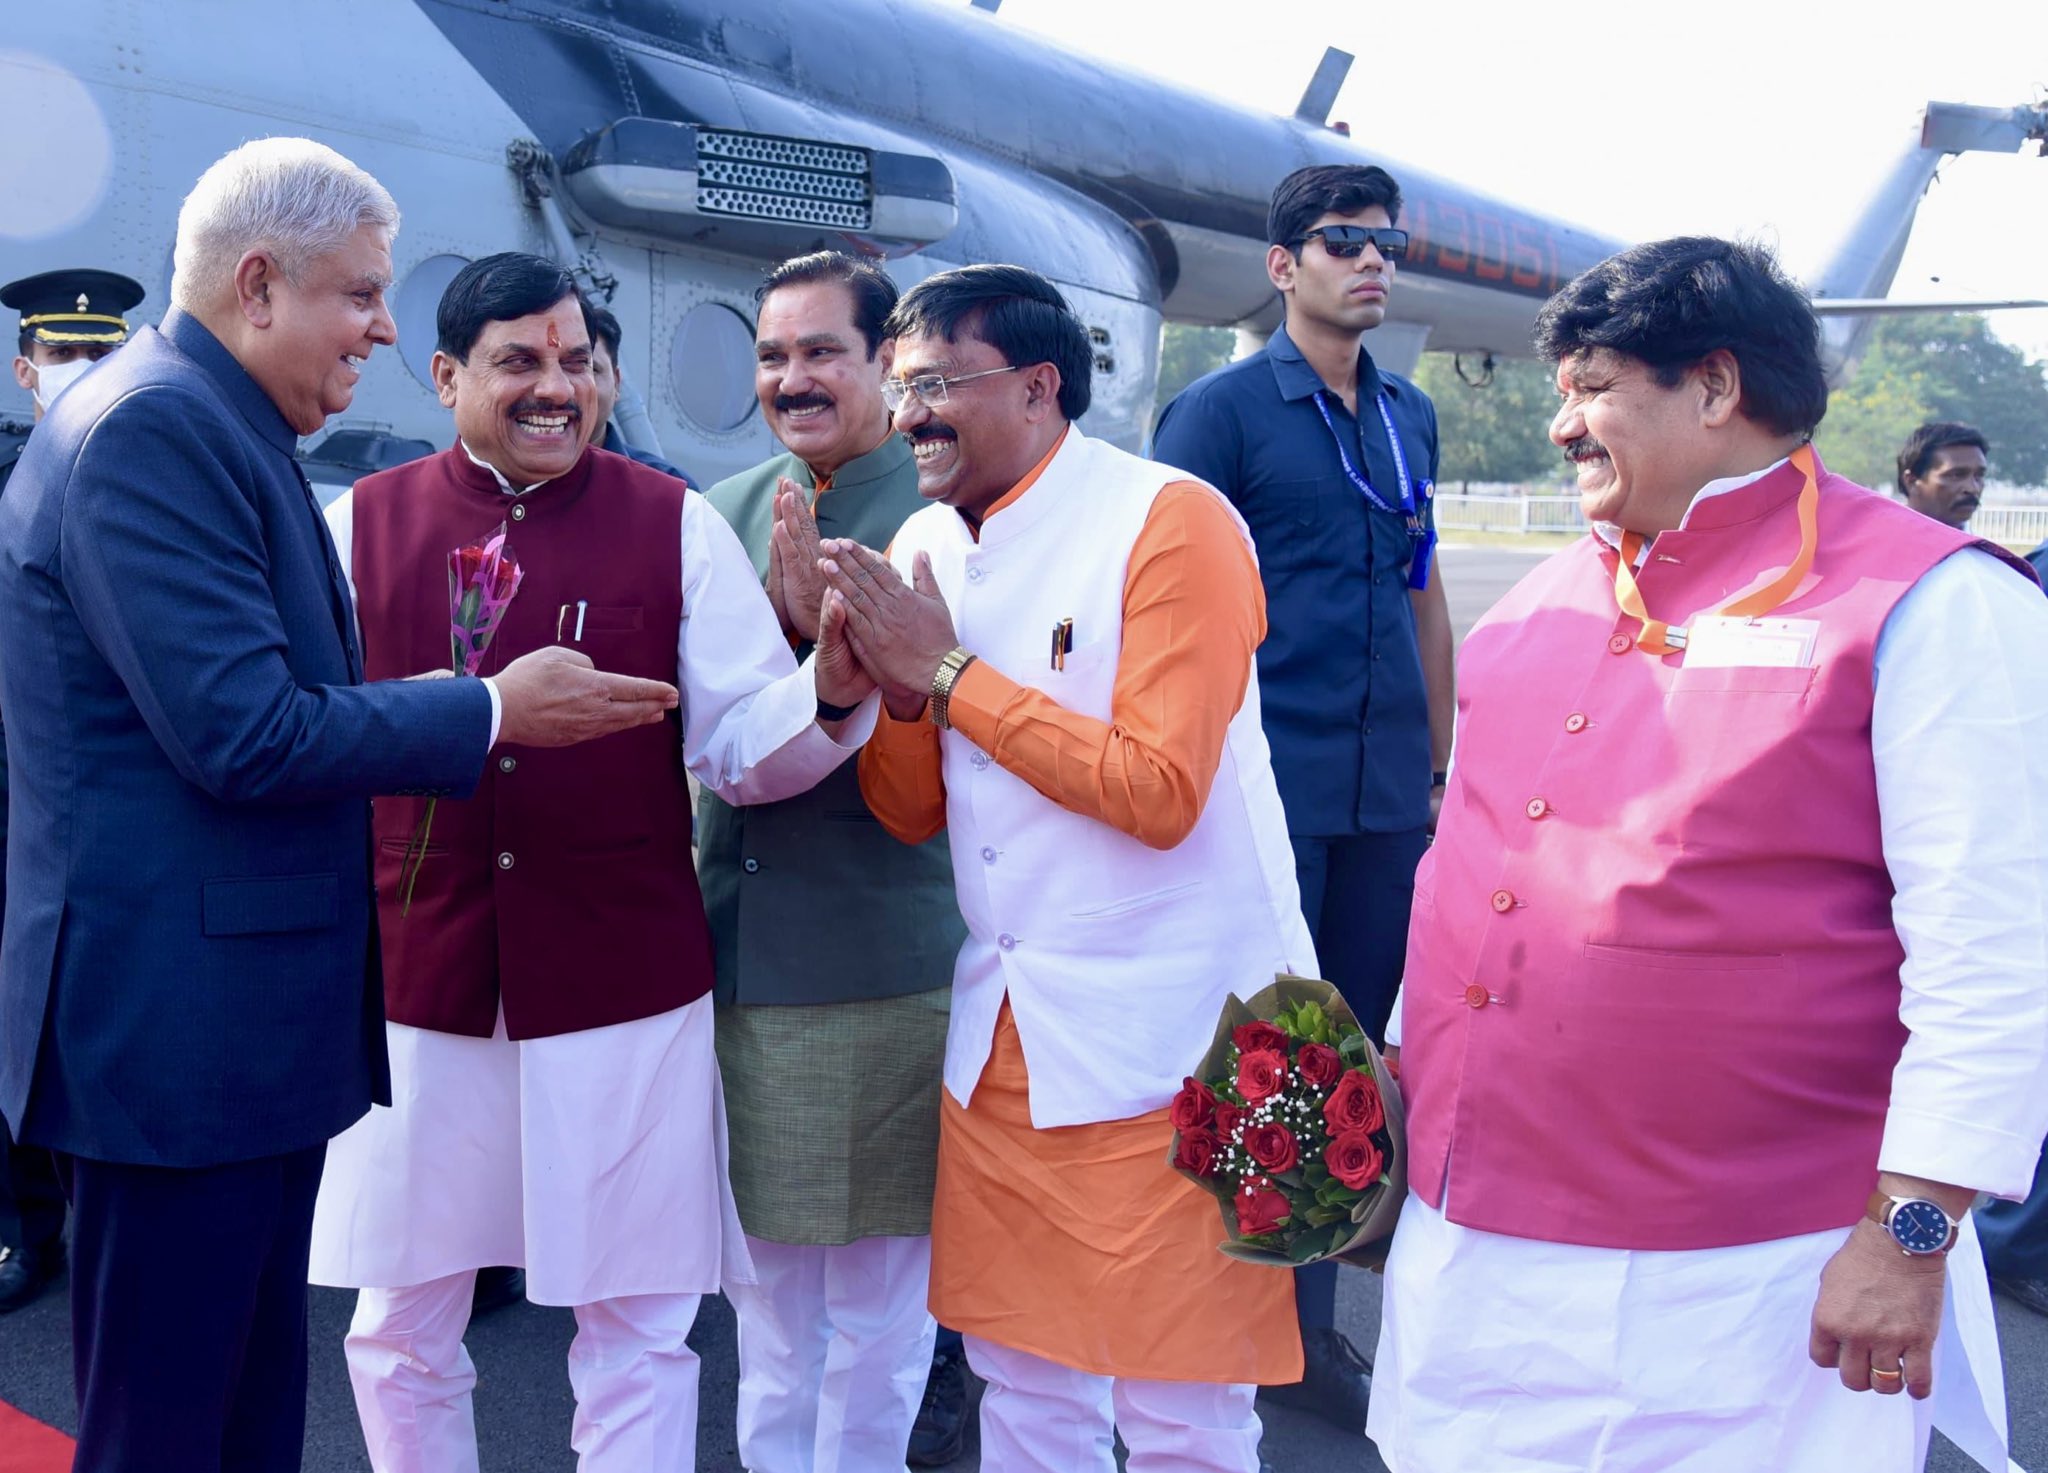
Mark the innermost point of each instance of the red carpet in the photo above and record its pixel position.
(28, 1446)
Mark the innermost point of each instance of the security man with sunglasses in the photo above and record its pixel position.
(1331, 461)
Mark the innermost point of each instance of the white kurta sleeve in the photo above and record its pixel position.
(1959, 735)
(341, 526)
(750, 729)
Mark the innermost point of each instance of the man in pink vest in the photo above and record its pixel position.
(1727, 987)
(547, 973)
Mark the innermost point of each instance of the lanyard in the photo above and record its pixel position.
(1422, 535)
(1659, 638)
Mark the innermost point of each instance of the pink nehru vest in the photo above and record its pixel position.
(1652, 985)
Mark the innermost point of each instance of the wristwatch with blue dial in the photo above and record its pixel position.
(1921, 1228)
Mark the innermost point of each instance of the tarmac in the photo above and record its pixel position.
(523, 1406)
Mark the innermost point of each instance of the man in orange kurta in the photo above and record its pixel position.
(1120, 858)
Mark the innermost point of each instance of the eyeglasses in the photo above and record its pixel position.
(1346, 242)
(931, 388)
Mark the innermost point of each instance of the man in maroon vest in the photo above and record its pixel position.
(1727, 982)
(548, 966)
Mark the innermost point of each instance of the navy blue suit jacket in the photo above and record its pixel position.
(188, 971)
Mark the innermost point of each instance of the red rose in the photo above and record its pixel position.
(1354, 1160)
(1354, 1104)
(1228, 1118)
(1251, 1037)
(1319, 1064)
(1272, 1146)
(1196, 1152)
(1194, 1105)
(1260, 1074)
(1261, 1210)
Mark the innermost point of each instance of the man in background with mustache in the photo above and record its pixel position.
(1941, 471)
(833, 942)
(1330, 458)
(547, 966)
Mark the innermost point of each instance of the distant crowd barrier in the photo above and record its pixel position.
(2022, 527)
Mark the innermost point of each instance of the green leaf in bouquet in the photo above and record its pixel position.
(1314, 1174)
(1291, 1177)
(1324, 1216)
(1335, 1191)
(1312, 1244)
(1352, 1049)
(466, 611)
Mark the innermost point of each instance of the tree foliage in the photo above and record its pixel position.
(1186, 353)
(1914, 368)
(1919, 367)
(1497, 431)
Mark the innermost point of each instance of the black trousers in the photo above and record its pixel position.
(1355, 894)
(31, 1198)
(188, 1313)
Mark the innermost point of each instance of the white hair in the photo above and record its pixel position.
(292, 197)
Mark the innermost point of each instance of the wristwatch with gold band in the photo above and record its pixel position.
(957, 659)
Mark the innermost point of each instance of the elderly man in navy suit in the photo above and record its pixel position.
(189, 997)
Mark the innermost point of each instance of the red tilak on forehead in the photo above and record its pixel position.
(554, 338)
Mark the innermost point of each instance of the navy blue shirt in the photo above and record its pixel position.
(1340, 673)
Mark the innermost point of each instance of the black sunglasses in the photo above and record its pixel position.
(1347, 241)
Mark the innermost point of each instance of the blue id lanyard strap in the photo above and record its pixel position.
(1424, 535)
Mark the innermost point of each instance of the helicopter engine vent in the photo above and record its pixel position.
(790, 179)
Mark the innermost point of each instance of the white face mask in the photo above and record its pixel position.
(53, 379)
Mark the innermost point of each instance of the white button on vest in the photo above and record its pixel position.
(506, 764)
(980, 760)
(518, 511)
(1007, 941)
(988, 855)
(505, 860)
(976, 574)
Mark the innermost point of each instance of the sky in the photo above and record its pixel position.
(1640, 120)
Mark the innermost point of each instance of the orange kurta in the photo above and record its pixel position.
(1079, 1244)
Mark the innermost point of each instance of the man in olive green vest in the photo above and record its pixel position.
(835, 949)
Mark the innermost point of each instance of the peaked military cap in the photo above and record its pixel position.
(61, 309)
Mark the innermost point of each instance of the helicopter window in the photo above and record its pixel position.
(711, 367)
(418, 299)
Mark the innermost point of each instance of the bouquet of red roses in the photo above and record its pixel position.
(1294, 1124)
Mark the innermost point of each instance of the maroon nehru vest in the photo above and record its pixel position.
(563, 887)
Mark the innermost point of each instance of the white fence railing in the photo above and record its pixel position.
(2024, 527)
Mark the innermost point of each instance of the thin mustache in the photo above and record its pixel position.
(785, 402)
(1583, 447)
(569, 409)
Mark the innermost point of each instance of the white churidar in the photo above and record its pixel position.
(1041, 1417)
(835, 1346)
(630, 1366)
(1116, 957)
(1962, 775)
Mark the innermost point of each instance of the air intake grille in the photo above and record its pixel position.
(783, 179)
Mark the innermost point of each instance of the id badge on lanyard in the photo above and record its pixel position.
(1414, 497)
